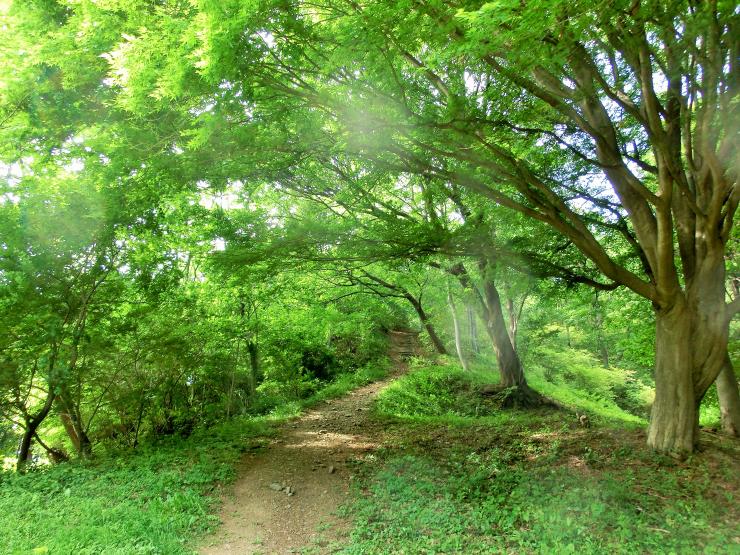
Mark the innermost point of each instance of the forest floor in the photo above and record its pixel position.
(286, 496)
(419, 463)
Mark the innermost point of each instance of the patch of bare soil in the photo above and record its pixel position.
(285, 497)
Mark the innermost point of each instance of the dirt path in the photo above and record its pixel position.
(285, 497)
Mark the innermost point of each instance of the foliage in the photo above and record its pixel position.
(488, 502)
(434, 391)
(155, 499)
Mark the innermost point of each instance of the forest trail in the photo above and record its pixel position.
(285, 497)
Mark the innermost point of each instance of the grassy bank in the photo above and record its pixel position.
(458, 476)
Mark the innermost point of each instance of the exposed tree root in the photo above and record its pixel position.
(516, 397)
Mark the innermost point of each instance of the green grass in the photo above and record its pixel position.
(446, 391)
(342, 384)
(155, 499)
(531, 481)
(151, 500)
(455, 475)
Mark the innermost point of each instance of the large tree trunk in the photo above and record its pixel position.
(729, 399)
(673, 420)
(456, 324)
(691, 345)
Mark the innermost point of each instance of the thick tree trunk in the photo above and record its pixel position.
(456, 324)
(673, 420)
(729, 399)
(691, 345)
(510, 367)
(426, 322)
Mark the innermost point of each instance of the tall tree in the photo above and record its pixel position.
(583, 118)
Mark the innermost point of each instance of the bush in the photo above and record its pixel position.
(435, 391)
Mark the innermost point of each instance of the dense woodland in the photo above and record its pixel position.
(213, 211)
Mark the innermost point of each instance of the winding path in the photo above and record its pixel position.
(285, 497)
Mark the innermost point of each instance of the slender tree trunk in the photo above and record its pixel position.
(233, 381)
(473, 327)
(729, 399)
(70, 429)
(426, 322)
(72, 420)
(599, 327)
(139, 418)
(510, 367)
(513, 320)
(254, 365)
(456, 324)
(32, 426)
(491, 311)
(24, 449)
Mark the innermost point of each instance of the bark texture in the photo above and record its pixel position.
(729, 399)
(673, 418)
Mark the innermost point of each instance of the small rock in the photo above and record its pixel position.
(275, 486)
(332, 470)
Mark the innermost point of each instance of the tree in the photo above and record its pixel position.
(584, 118)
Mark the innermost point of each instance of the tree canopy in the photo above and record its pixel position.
(219, 164)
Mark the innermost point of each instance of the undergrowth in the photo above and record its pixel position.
(448, 481)
(151, 500)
